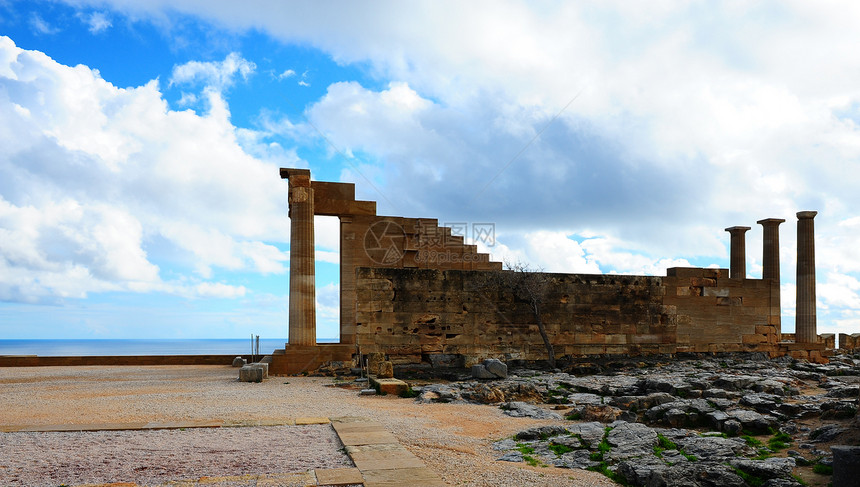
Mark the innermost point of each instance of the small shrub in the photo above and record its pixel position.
(822, 469)
(573, 417)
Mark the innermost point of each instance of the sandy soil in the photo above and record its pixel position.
(452, 439)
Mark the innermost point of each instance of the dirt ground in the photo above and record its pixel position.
(453, 440)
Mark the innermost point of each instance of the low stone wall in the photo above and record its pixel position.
(37, 361)
(415, 315)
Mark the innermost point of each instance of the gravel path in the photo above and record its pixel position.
(454, 440)
(156, 457)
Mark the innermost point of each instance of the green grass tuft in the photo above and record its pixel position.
(560, 450)
(822, 469)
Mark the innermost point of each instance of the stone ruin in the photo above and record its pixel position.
(412, 291)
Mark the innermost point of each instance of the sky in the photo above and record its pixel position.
(140, 144)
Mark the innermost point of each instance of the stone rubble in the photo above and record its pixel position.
(681, 423)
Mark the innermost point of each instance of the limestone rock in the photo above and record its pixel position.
(496, 367)
(239, 361)
(694, 474)
(575, 459)
(826, 433)
(479, 371)
(540, 432)
(767, 469)
(519, 409)
(603, 414)
(511, 456)
(712, 447)
(484, 394)
(586, 398)
(439, 393)
(591, 433)
(506, 444)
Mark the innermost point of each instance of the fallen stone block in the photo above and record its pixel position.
(389, 386)
(496, 367)
(385, 370)
(239, 362)
(479, 371)
(249, 373)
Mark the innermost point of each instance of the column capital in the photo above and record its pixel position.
(296, 175)
(771, 221)
(737, 229)
(806, 215)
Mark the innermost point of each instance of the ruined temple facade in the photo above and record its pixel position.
(416, 293)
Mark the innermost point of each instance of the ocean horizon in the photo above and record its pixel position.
(99, 347)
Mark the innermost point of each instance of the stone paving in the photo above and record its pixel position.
(379, 459)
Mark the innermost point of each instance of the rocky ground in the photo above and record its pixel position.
(718, 421)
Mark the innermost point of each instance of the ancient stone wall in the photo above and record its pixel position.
(849, 342)
(414, 315)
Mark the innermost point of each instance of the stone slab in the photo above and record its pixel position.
(312, 420)
(408, 477)
(339, 476)
(389, 386)
(366, 438)
(387, 462)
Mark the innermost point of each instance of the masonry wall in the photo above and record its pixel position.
(413, 315)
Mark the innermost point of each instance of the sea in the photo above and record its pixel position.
(171, 346)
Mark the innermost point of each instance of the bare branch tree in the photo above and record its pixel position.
(529, 285)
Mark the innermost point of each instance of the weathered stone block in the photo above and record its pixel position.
(386, 370)
(249, 373)
(239, 361)
(373, 361)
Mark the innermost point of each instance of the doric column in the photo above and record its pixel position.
(738, 259)
(303, 325)
(805, 324)
(770, 251)
(770, 263)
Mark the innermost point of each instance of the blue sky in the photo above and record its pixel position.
(140, 144)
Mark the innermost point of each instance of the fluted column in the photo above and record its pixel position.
(738, 257)
(302, 325)
(770, 270)
(770, 250)
(806, 322)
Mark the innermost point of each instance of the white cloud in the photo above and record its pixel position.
(218, 75)
(98, 22)
(40, 26)
(289, 73)
(98, 183)
(219, 290)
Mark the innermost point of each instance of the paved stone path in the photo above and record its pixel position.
(379, 459)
